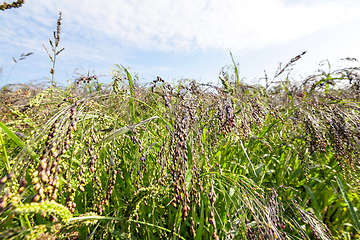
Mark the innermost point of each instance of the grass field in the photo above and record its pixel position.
(181, 161)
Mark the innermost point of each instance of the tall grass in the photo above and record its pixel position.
(182, 161)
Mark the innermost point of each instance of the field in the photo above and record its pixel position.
(181, 161)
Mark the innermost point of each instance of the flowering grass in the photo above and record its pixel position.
(182, 161)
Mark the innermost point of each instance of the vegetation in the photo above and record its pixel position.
(15, 4)
(182, 161)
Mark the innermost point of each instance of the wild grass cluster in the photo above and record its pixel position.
(185, 160)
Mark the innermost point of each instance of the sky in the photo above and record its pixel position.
(176, 39)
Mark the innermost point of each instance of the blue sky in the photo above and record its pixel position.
(176, 39)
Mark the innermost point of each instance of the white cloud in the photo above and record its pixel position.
(188, 25)
(177, 26)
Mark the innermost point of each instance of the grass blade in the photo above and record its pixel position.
(18, 141)
(199, 232)
(131, 100)
(247, 156)
(6, 160)
(313, 200)
(349, 203)
(118, 132)
(237, 78)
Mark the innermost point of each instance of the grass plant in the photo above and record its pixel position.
(182, 161)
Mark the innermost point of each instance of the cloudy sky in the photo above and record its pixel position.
(176, 39)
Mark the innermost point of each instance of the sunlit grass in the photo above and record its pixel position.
(188, 161)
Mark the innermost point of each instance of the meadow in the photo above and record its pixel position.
(184, 160)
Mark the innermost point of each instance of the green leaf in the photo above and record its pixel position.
(268, 128)
(203, 136)
(12, 136)
(18, 141)
(252, 166)
(286, 89)
(349, 203)
(259, 168)
(326, 87)
(5, 158)
(199, 232)
(131, 100)
(237, 78)
(313, 200)
(22, 221)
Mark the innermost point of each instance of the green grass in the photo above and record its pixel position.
(182, 161)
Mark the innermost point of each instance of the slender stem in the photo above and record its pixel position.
(52, 77)
(53, 73)
(5, 159)
(27, 221)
